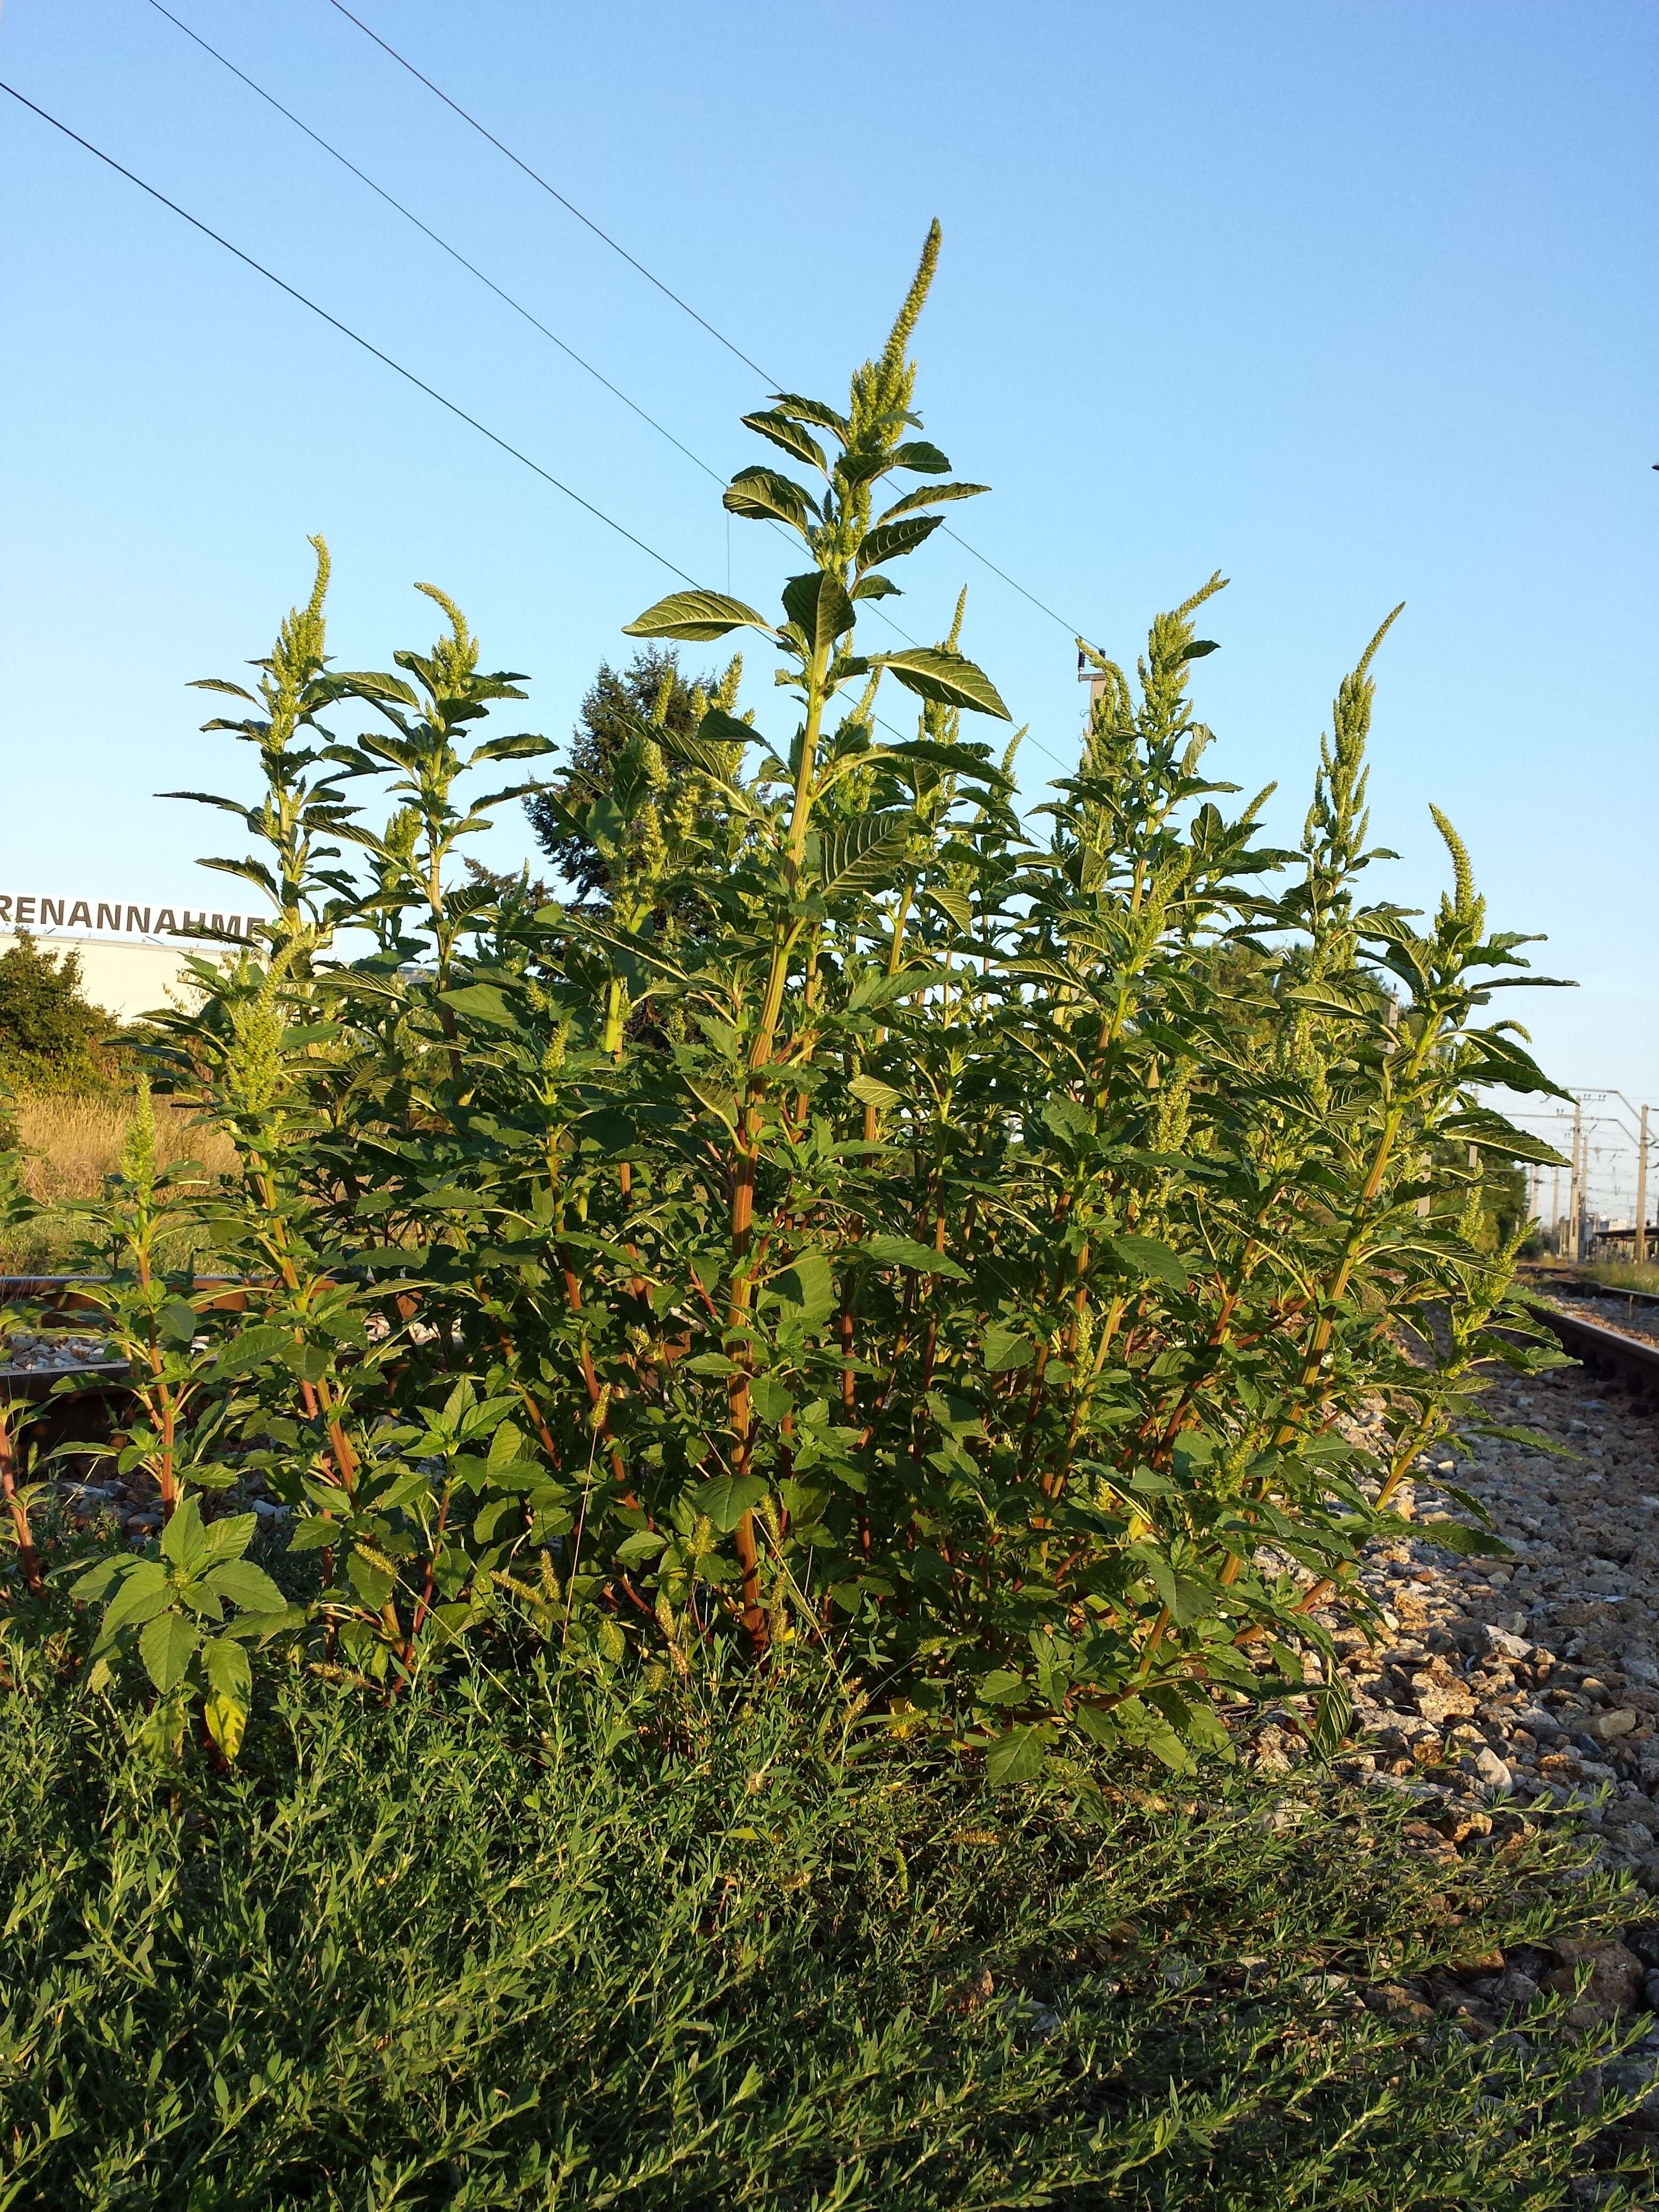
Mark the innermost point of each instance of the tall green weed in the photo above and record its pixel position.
(877, 1219)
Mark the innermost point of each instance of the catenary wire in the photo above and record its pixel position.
(367, 345)
(455, 253)
(1073, 629)
(346, 331)
(501, 293)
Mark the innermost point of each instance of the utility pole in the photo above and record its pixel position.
(1576, 1197)
(1642, 1192)
(1555, 1210)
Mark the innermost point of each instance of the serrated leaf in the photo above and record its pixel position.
(177, 1321)
(229, 1538)
(695, 616)
(227, 1722)
(1002, 1350)
(811, 410)
(1457, 1536)
(946, 679)
(929, 496)
(1015, 1757)
(770, 1399)
(229, 1674)
(183, 1540)
(807, 1283)
(1002, 1685)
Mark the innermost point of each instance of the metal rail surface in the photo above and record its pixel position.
(1634, 1360)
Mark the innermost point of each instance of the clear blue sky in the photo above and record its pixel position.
(1353, 301)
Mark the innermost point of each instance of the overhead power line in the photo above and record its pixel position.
(377, 353)
(552, 190)
(346, 331)
(443, 243)
(500, 291)
(1072, 629)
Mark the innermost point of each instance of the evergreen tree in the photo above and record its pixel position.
(650, 692)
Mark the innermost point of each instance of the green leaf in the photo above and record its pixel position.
(935, 673)
(143, 1594)
(227, 1539)
(229, 1674)
(1014, 1757)
(810, 411)
(177, 1321)
(1001, 1350)
(808, 1284)
(1001, 1687)
(695, 616)
(373, 1584)
(916, 453)
(909, 1252)
(764, 496)
(484, 1002)
(770, 1399)
(1097, 1726)
(890, 541)
(784, 431)
(726, 1498)
(644, 1544)
(956, 760)
(227, 1722)
(250, 1348)
(875, 585)
(1456, 1536)
(717, 727)
(183, 1541)
(929, 496)
(819, 608)
(1333, 1718)
(859, 856)
(869, 1091)
(247, 1585)
(165, 1647)
(1145, 1257)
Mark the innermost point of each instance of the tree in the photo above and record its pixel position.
(650, 693)
(49, 1029)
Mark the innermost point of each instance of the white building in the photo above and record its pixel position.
(134, 959)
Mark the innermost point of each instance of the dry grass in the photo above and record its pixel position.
(72, 1143)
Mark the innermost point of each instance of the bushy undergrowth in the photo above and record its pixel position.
(877, 1216)
(515, 1944)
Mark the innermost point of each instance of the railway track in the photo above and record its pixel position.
(1614, 1332)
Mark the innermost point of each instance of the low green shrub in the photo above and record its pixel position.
(536, 1943)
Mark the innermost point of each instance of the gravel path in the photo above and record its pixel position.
(1538, 1675)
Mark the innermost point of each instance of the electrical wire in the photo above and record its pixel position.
(346, 331)
(426, 230)
(501, 293)
(1073, 629)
